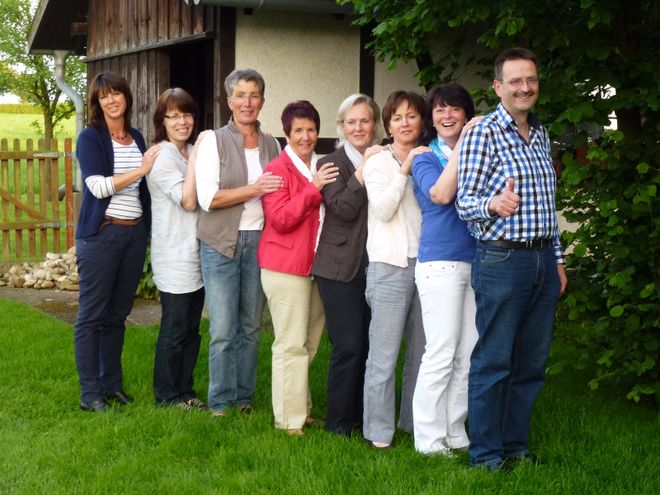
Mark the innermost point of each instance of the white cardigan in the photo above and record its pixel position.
(394, 218)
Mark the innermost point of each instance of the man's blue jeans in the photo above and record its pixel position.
(235, 302)
(516, 293)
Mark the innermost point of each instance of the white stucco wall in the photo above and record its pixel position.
(308, 56)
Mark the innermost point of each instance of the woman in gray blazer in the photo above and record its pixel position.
(341, 261)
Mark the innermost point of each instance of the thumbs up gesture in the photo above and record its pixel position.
(505, 203)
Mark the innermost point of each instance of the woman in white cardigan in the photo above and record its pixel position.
(394, 223)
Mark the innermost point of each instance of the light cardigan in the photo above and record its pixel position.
(394, 219)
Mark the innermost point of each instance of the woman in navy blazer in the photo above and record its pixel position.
(341, 261)
(111, 237)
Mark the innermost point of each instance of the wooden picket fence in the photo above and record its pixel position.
(33, 219)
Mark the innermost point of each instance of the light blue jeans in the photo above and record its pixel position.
(395, 312)
(235, 302)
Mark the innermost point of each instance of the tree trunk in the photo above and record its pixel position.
(629, 121)
(48, 128)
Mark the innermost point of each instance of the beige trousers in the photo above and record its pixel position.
(298, 320)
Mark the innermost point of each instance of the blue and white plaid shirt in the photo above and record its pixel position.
(493, 152)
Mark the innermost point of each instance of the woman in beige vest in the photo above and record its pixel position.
(230, 183)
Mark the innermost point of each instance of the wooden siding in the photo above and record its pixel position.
(138, 39)
(122, 26)
(148, 75)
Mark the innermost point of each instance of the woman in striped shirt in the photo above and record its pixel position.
(111, 237)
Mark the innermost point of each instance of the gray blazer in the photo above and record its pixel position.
(342, 245)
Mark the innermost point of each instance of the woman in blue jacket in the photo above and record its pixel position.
(111, 237)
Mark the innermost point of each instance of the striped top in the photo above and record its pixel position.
(493, 152)
(124, 204)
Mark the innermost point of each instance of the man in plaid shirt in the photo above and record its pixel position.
(506, 191)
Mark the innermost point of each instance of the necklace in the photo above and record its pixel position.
(118, 135)
(396, 157)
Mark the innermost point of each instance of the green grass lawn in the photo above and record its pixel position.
(590, 443)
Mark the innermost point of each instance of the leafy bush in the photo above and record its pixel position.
(147, 287)
(614, 267)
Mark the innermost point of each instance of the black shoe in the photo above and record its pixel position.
(120, 396)
(98, 405)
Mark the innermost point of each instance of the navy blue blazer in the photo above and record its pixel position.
(96, 157)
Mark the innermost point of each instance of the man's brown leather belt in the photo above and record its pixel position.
(119, 221)
(535, 244)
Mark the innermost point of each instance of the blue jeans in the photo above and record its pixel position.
(516, 293)
(177, 346)
(395, 312)
(110, 266)
(235, 302)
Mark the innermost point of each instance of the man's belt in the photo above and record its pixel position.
(535, 244)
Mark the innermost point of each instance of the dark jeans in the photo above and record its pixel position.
(177, 347)
(109, 266)
(347, 317)
(516, 293)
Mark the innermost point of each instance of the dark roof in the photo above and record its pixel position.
(51, 26)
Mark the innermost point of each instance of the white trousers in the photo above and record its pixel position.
(448, 313)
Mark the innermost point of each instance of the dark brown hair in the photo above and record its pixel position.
(301, 109)
(170, 100)
(451, 94)
(516, 53)
(395, 100)
(105, 82)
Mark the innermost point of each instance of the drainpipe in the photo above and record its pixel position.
(60, 65)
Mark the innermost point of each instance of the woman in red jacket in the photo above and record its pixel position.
(293, 218)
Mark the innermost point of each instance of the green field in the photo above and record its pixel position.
(18, 126)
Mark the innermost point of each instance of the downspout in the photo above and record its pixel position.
(60, 65)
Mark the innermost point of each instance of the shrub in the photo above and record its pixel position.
(614, 282)
(147, 287)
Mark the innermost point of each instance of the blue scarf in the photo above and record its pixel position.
(441, 150)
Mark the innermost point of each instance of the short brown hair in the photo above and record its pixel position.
(516, 53)
(173, 99)
(396, 99)
(103, 83)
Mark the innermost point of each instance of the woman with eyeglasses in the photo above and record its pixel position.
(175, 250)
(230, 183)
(111, 237)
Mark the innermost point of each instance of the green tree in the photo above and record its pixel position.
(31, 76)
(596, 59)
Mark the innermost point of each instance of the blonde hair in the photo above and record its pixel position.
(350, 102)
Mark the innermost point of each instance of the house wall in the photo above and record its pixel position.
(301, 56)
(309, 56)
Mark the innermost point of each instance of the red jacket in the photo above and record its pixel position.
(291, 221)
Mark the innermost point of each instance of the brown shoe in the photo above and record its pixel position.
(295, 432)
(309, 421)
